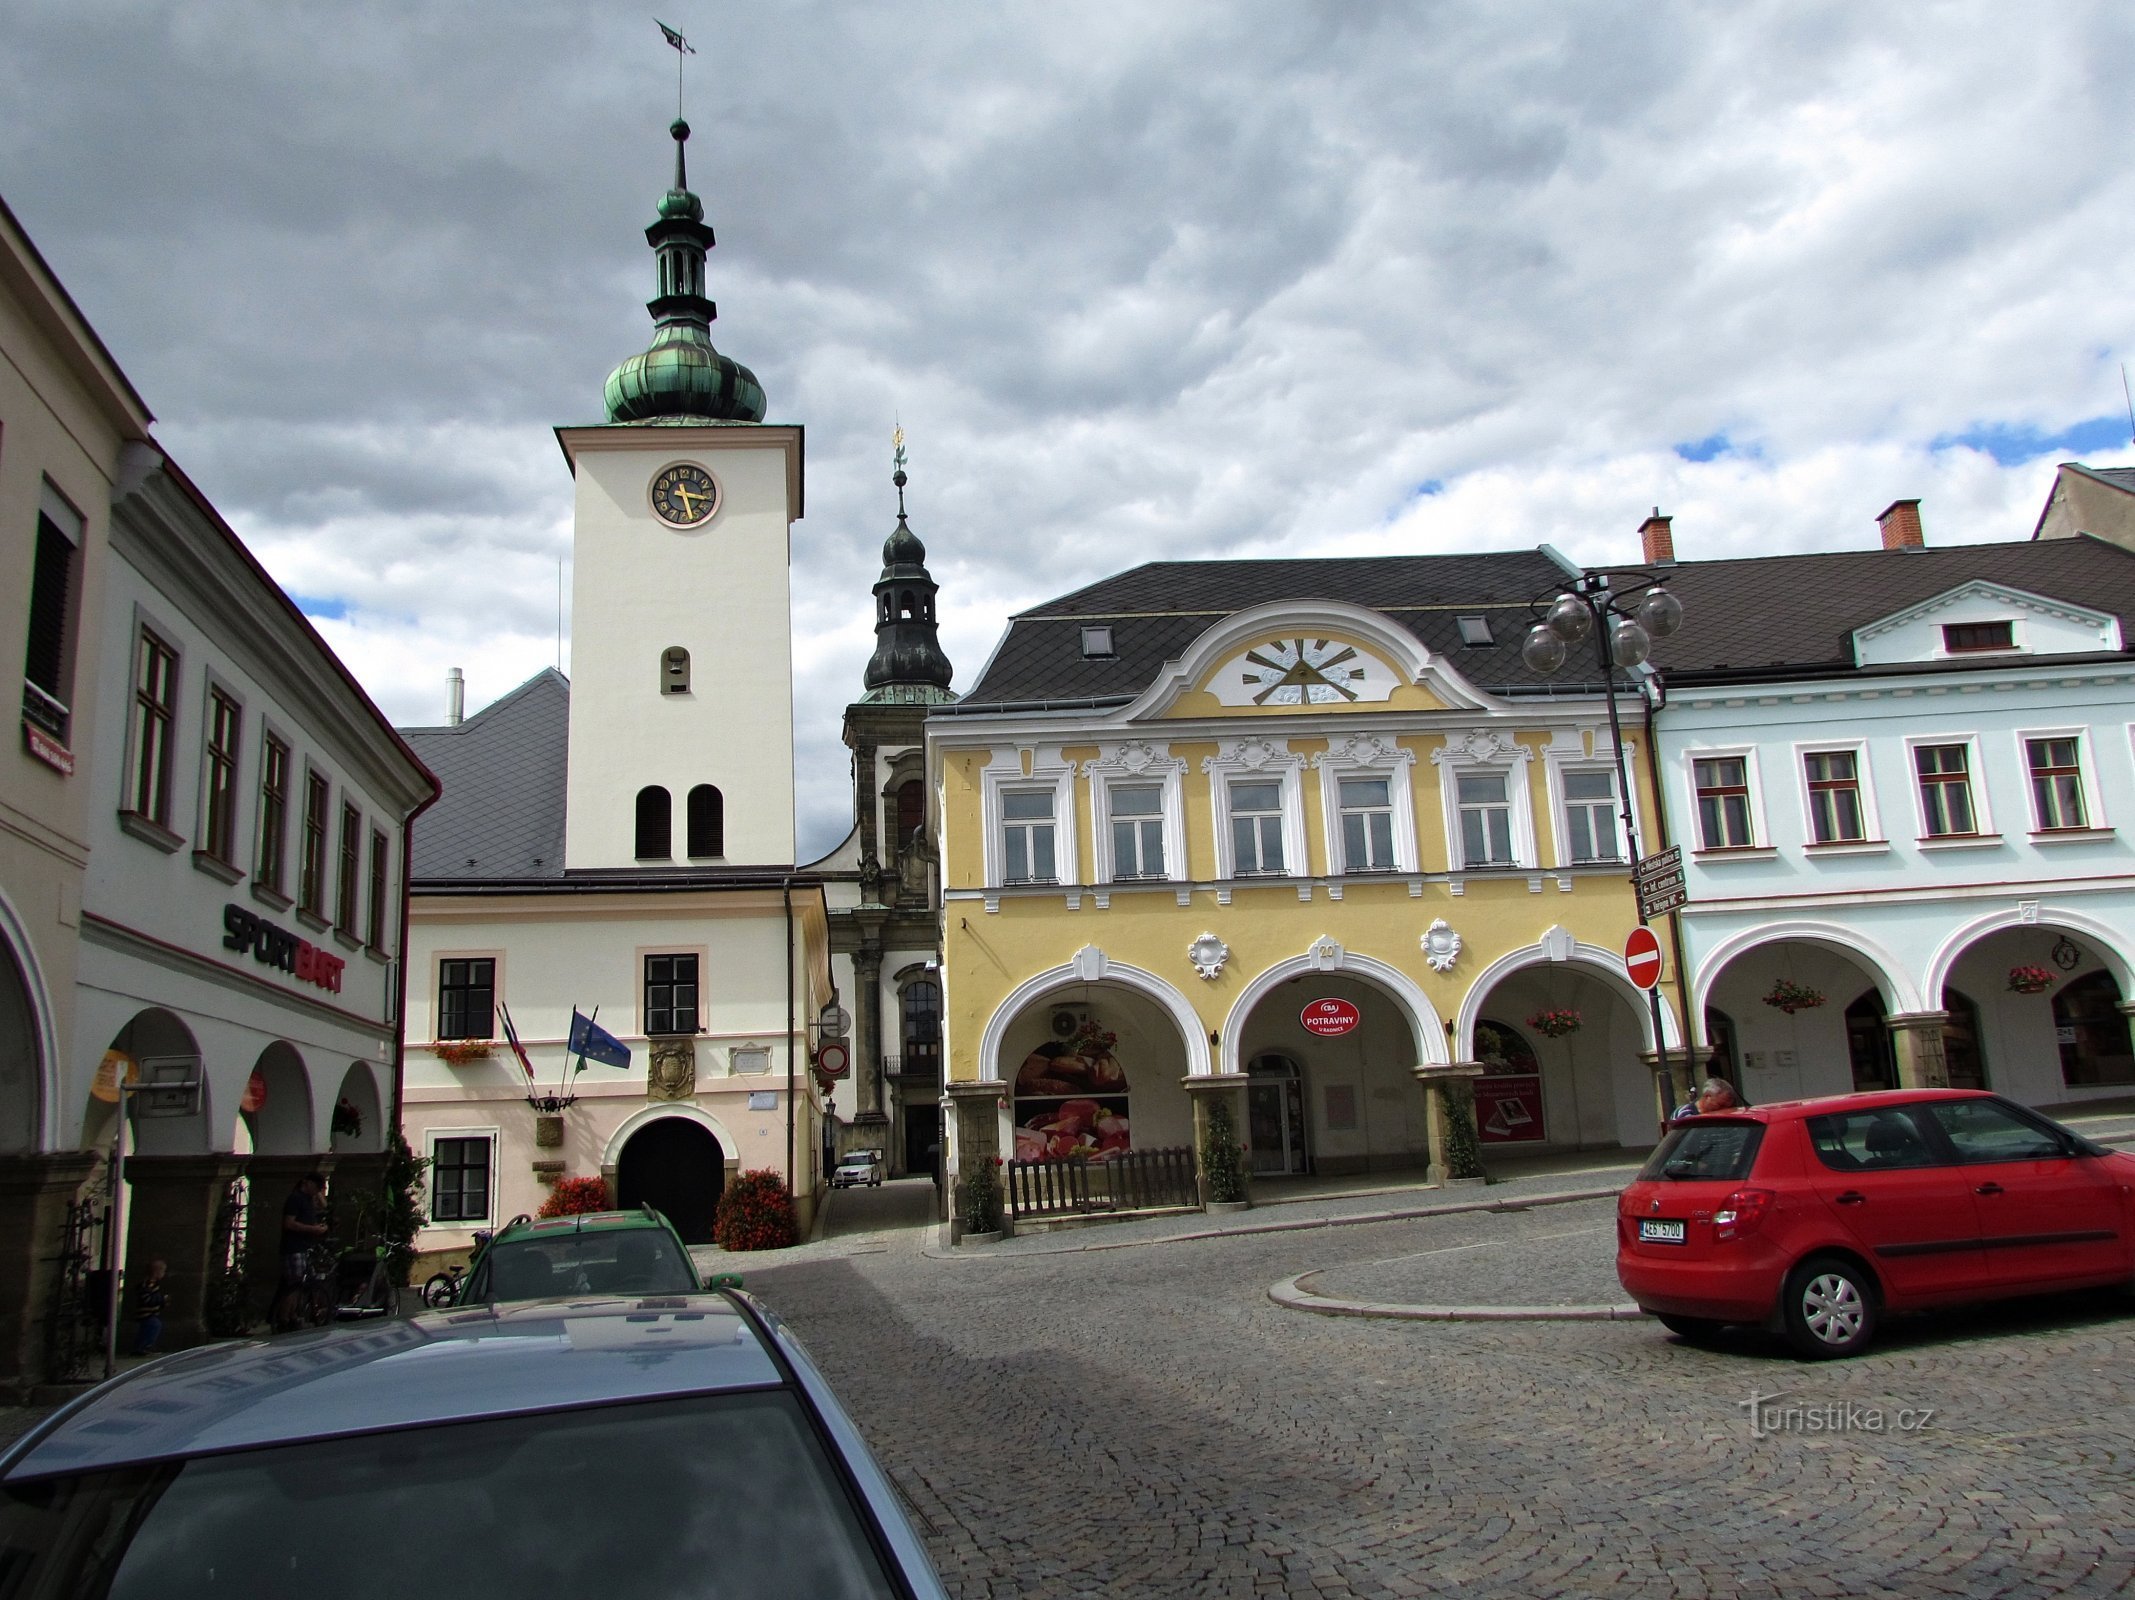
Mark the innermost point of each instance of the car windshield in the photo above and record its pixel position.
(1711, 1151)
(603, 1261)
(710, 1495)
(857, 1161)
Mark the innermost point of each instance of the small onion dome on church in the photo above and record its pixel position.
(908, 666)
(680, 377)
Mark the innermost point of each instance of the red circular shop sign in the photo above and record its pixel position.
(1329, 1018)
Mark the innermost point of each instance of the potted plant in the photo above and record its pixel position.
(2030, 980)
(458, 1052)
(978, 1201)
(348, 1121)
(1464, 1152)
(755, 1213)
(1791, 997)
(1555, 1022)
(575, 1197)
(1222, 1163)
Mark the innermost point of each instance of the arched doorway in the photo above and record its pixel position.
(1275, 1116)
(1791, 1033)
(21, 1058)
(674, 1165)
(1961, 1052)
(2092, 1033)
(276, 1108)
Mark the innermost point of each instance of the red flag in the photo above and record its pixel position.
(511, 1035)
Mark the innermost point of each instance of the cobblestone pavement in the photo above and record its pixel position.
(1143, 1421)
(1554, 1255)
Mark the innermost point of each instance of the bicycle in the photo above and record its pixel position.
(442, 1289)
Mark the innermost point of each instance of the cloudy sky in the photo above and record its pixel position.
(1141, 280)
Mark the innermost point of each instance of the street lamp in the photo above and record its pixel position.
(1623, 622)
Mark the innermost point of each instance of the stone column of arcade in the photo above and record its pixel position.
(1917, 1039)
(272, 1177)
(977, 1109)
(1206, 1091)
(1445, 1085)
(867, 979)
(35, 1191)
(1668, 1086)
(172, 1205)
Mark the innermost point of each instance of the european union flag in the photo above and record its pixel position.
(589, 1038)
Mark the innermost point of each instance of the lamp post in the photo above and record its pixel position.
(1623, 623)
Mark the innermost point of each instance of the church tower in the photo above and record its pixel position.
(681, 746)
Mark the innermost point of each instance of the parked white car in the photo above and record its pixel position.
(856, 1167)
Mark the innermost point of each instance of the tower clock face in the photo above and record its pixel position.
(1295, 672)
(685, 495)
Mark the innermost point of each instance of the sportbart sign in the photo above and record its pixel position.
(271, 947)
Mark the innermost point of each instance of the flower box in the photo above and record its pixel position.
(458, 1052)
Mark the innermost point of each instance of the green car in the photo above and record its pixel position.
(600, 1252)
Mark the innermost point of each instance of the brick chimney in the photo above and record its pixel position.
(1655, 534)
(1900, 522)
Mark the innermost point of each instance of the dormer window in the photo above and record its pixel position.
(1097, 644)
(1475, 632)
(1967, 638)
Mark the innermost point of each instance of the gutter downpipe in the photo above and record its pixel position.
(786, 892)
(400, 996)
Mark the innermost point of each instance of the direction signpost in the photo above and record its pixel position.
(1659, 882)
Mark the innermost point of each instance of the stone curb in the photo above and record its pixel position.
(1289, 1294)
(1521, 1202)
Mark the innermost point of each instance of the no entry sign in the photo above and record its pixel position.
(1642, 957)
(1329, 1018)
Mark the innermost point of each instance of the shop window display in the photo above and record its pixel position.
(1071, 1095)
(1508, 1097)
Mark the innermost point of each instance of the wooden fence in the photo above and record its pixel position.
(1136, 1180)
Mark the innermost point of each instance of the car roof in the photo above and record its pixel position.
(583, 1222)
(1858, 1100)
(447, 1366)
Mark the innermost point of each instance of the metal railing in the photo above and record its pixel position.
(1134, 1180)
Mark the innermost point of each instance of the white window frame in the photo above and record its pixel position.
(1135, 764)
(2094, 817)
(1258, 760)
(495, 1136)
(1760, 827)
(1864, 785)
(1047, 770)
(1569, 756)
(148, 621)
(1487, 750)
(1367, 755)
(1984, 830)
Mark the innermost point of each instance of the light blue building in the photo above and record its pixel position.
(1903, 782)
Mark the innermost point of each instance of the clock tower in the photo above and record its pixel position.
(681, 741)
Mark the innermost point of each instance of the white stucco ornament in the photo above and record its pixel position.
(1208, 953)
(1441, 946)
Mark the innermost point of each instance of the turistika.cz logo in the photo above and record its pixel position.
(1771, 1414)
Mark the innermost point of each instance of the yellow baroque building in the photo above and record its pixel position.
(1303, 837)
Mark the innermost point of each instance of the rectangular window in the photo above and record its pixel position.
(1485, 820)
(1137, 831)
(48, 660)
(1959, 637)
(1256, 828)
(273, 811)
(374, 934)
(351, 865)
(1027, 836)
(1723, 802)
(1590, 816)
(1835, 814)
(1945, 772)
(670, 994)
(1367, 824)
(311, 887)
(155, 704)
(459, 1180)
(219, 838)
(467, 998)
(2056, 783)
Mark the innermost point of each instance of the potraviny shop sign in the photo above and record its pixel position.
(273, 947)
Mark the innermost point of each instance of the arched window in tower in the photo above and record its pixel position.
(707, 822)
(905, 607)
(911, 810)
(920, 1001)
(674, 670)
(655, 824)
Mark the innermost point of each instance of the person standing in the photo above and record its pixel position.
(302, 1227)
(148, 1303)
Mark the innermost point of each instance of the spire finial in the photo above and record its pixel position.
(682, 48)
(897, 461)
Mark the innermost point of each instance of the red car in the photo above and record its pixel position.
(1815, 1217)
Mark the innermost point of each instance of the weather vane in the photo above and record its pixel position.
(897, 461)
(682, 48)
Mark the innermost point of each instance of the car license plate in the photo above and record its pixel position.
(1657, 1232)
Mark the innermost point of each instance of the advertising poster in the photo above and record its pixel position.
(1071, 1099)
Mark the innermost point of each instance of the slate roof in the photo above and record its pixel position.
(1762, 614)
(1788, 613)
(1156, 611)
(501, 815)
(2118, 477)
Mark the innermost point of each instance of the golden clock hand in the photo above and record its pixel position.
(682, 494)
